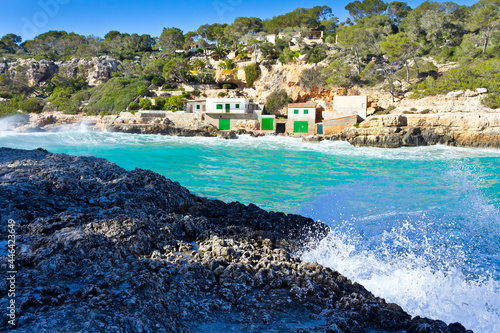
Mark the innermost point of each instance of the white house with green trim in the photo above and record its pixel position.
(195, 106)
(301, 118)
(229, 105)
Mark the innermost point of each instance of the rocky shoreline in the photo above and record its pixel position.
(102, 249)
(479, 130)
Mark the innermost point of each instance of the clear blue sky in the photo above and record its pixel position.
(29, 18)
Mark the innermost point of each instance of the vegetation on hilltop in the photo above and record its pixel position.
(389, 44)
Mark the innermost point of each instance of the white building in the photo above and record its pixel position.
(195, 106)
(230, 105)
(301, 118)
(347, 106)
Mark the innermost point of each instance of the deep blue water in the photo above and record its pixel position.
(417, 226)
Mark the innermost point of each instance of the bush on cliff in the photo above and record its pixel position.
(114, 96)
(32, 105)
(133, 106)
(277, 101)
(312, 77)
(485, 74)
(252, 73)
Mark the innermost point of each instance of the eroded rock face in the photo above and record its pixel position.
(97, 70)
(102, 249)
(391, 131)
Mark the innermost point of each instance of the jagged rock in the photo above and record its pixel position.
(457, 93)
(105, 249)
(230, 135)
(313, 138)
(466, 130)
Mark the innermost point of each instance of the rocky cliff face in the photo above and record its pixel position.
(389, 131)
(101, 249)
(97, 70)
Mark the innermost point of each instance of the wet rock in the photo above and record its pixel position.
(230, 135)
(105, 249)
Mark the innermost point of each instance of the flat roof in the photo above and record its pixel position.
(302, 105)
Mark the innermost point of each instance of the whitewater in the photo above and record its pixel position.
(419, 227)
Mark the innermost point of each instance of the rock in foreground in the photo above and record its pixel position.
(102, 249)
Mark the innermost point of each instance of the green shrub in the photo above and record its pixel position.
(390, 108)
(483, 74)
(316, 54)
(196, 93)
(10, 106)
(133, 106)
(312, 77)
(32, 105)
(143, 90)
(277, 101)
(158, 81)
(222, 94)
(114, 96)
(426, 111)
(145, 103)
(252, 73)
(174, 103)
(226, 86)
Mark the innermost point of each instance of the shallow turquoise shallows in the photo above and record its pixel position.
(417, 226)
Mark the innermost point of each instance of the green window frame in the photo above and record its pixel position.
(306, 111)
(237, 106)
(295, 111)
(219, 107)
(197, 107)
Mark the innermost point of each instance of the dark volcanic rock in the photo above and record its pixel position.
(102, 249)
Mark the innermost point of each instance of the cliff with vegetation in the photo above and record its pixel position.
(435, 58)
(105, 249)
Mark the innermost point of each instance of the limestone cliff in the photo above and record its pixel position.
(96, 71)
(389, 131)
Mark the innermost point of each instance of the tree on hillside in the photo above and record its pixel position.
(398, 10)
(206, 34)
(170, 40)
(440, 23)
(340, 74)
(400, 47)
(54, 45)
(10, 43)
(486, 19)
(359, 9)
(176, 69)
(241, 27)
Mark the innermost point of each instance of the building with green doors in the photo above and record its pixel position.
(232, 113)
(301, 118)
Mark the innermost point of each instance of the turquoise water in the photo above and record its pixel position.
(417, 226)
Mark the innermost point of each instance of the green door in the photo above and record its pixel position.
(267, 124)
(224, 124)
(300, 127)
(228, 107)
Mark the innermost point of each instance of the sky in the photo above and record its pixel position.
(29, 18)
